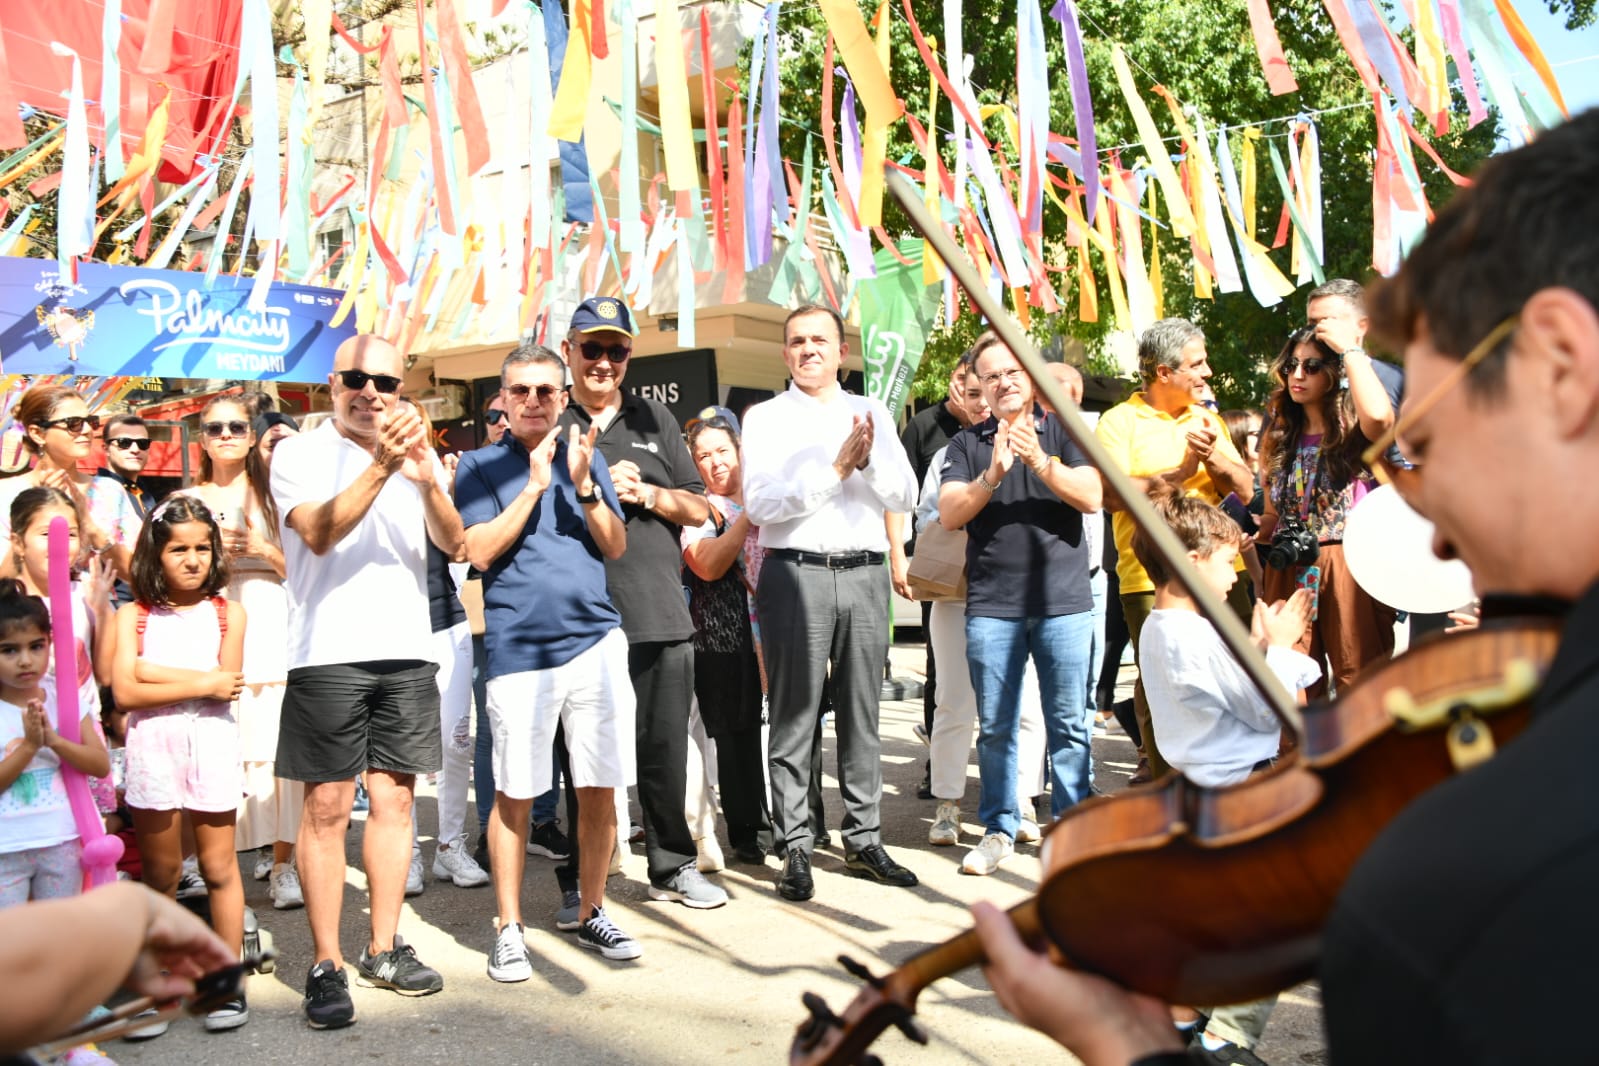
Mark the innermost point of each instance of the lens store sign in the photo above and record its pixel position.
(128, 321)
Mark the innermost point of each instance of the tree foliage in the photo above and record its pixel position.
(1203, 52)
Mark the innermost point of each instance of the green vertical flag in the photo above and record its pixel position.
(897, 313)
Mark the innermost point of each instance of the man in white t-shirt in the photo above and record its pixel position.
(360, 496)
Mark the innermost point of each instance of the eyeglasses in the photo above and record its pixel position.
(542, 393)
(1312, 365)
(594, 351)
(213, 430)
(128, 443)
(72, 423)
(1407, 480)
(494, 416)
(1013, 374)
(357, 379)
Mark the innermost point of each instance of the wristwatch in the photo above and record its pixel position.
(650, 496)
(592, 496)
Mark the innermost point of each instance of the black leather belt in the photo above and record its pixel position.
(831, 560)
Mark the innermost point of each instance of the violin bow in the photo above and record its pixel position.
(1233, 633)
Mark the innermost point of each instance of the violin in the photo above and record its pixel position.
(1259, 863)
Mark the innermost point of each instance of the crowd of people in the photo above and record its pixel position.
(675, 609)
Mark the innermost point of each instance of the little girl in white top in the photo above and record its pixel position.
(178, 669)
(39, 845)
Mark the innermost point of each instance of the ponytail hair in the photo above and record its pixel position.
(18, 609)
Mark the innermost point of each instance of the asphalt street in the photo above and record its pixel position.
(712, 986)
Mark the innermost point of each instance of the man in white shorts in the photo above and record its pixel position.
(541, 518)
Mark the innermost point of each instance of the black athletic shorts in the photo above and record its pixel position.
(340, 720)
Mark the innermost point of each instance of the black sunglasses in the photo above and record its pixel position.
(214, 430)
(1312, 365)
(544, 393)
(72, 423)
(357, 379)
(494, 416)
(594, 351)
(140, 443)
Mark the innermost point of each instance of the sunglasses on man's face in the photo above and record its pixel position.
(594, 351)
(73, 424)
(213, 430)
(494, 416)
(356, 380)
(542, 393)
(130, 443)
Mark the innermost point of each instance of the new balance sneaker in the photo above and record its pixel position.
(599, 934)
(1028, 832)
(985, 858)
(708, 857)
(190, 883)
(508, 959)
(327, 1000)
(263, 864)
(689, 887)
(946, 830)
(548, 840)
(569, 917)
(414, 885)
(284, 888)
(399, 970)
(452, 863)
(232, 1014)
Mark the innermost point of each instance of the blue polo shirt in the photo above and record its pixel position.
(544, 598)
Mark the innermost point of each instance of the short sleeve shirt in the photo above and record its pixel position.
(1143, 442)
(646, 582)
(544, 598)
(1026, 551)
(109, 507)
(366, 598)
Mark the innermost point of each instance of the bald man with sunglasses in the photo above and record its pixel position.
(360, 496)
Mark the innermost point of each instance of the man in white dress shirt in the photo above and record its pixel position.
(820, 469)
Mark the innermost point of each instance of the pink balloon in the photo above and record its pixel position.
(100, 852)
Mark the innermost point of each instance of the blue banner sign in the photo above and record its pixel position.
(128, 321)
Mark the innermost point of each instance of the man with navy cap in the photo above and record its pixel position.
(661, 492)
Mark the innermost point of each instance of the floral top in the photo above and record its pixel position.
(1304, 488)
(109, 507)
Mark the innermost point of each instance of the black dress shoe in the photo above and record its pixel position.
(796, 883)
(750, 854)
(873, 861)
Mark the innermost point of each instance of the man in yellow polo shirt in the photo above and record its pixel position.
(1163, 432)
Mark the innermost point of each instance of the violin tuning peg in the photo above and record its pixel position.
(871, 1060)
(912, 1030)
(859, 972)
(821, 1013)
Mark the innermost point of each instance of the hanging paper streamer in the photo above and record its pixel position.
(869, 72)
(75, 202)
(1449, 17)
(1349, 36)
(1529, 48)
(1269, 48)
(458, 69)
(1301, 229)
(298, 207)
(1182, 218)
(169, 245)
(1306, 167)
(256, 45)
(1430, 64)
(11, 132)
(110, 87)
(677, 133)
(1032, 96)
(579, 206)
(572, 94)
(1065, 12)
(1266, 283)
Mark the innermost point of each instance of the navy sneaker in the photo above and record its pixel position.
(327, 1000)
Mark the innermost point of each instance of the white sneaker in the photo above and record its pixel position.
(454, 863)
(985, 858)
(190, 883)
(284, 888)
(414, 885)
(946, 829)
(1028, 832)
(263, 864)
(709, 855)
(509, 961)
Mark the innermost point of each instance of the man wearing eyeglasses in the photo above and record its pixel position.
(1163, 432)
(358, 495)
(661, 492)
(542, 518)
(127, 451)
(1020, 488)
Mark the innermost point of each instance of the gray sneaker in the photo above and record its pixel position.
(569, 917)
(689, 887)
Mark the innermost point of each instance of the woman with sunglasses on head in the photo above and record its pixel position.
(1310, 466)
(233, 485)
(59, 432)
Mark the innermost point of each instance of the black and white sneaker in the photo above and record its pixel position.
(548, 840)
(399, 970)
(190, 883)
(327, 1000)
(508, 961)
(598, 933)
(230, 1015)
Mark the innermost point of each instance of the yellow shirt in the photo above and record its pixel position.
(1145, 442)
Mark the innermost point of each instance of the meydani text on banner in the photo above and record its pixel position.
(127, 321)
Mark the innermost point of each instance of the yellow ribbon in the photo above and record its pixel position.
(1182, 216)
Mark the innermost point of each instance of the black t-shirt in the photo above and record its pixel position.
(928, 430)
(444, 600)
(646, 582)
(1025, 552)
(1466, 933)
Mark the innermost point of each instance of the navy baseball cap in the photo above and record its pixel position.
(713, 412)
(602, 313)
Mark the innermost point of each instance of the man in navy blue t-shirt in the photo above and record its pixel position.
(1020, 488)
